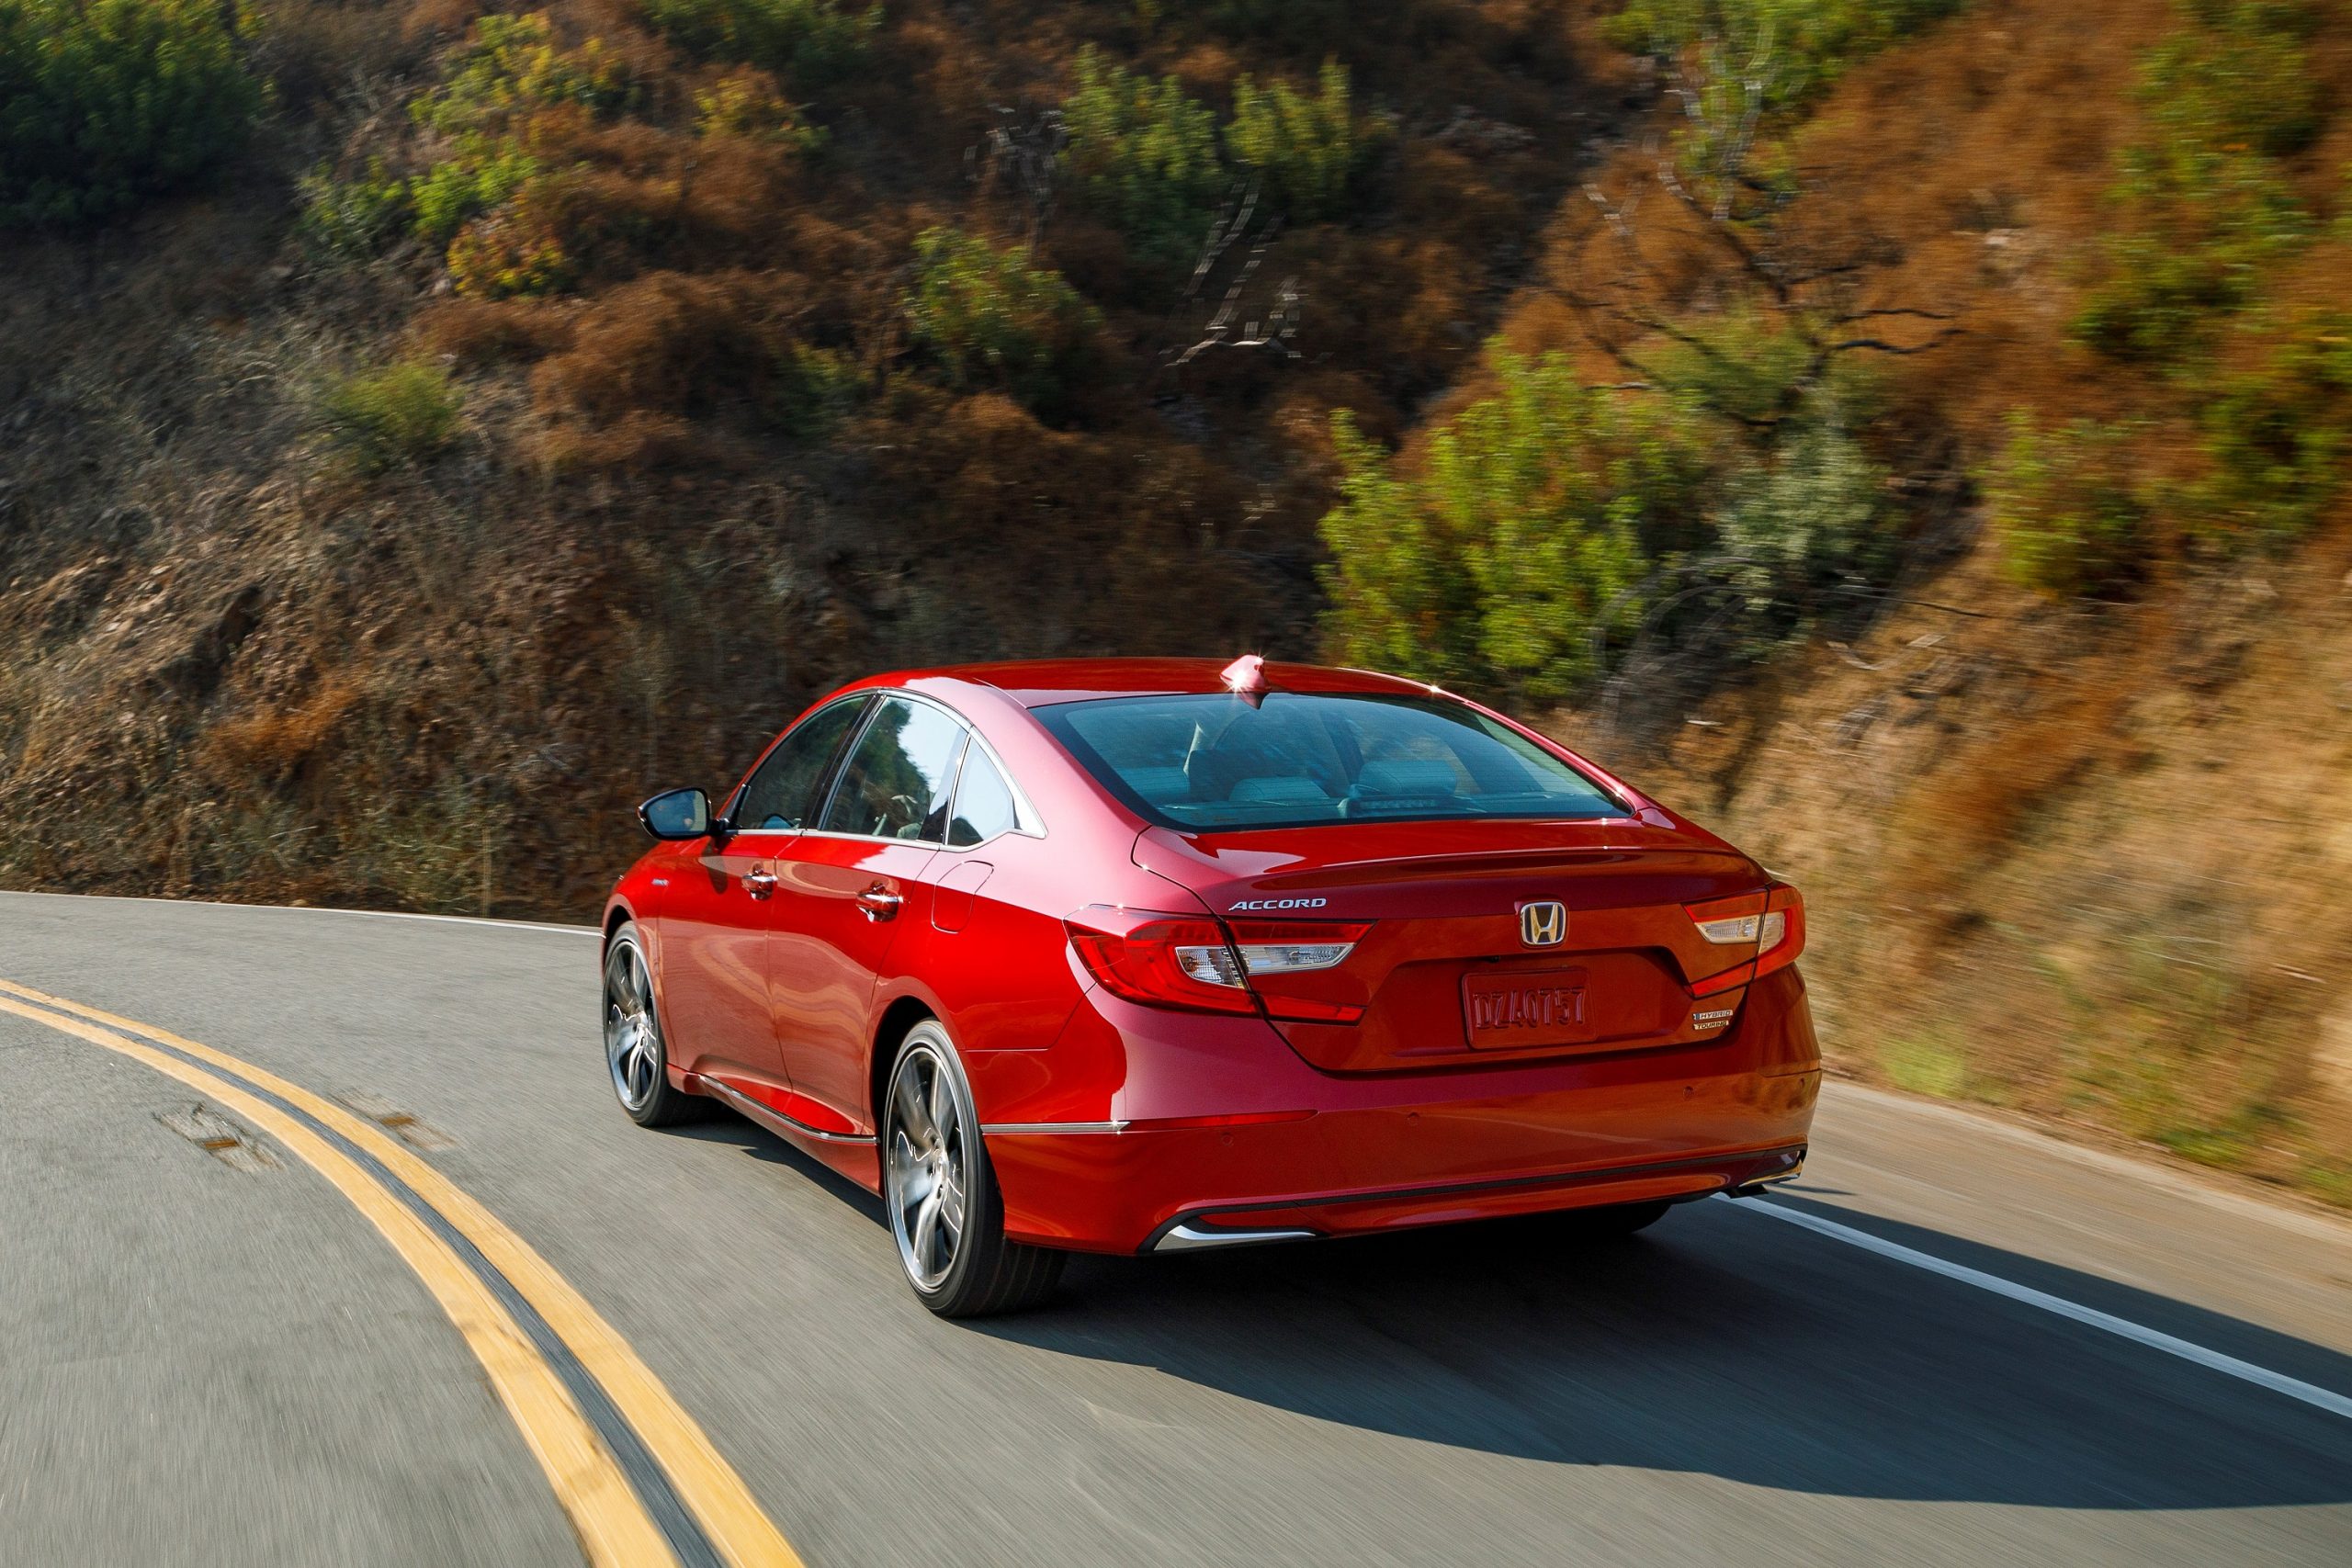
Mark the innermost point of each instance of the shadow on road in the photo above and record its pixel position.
(1720, 1342)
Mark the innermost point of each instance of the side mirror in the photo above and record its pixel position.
(676, 814)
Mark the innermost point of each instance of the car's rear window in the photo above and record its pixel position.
(1204, 762)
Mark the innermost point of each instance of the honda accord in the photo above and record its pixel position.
(1145, 955)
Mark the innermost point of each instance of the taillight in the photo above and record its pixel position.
(1767, 927)
(1294, 947)
(1782, 938)
(1271, 949)
(1169, 960)
(1187, 961)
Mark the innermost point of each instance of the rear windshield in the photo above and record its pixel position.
(1205, 762)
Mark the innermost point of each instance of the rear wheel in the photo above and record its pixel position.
(946, 1213)
(635, 1052)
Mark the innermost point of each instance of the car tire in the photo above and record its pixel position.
(637, 1052)
(946, 1215)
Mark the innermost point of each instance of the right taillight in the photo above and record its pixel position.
(1169, 960)
(1782, 936)
(1767, 929)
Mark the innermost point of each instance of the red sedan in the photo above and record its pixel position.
(1137, 956)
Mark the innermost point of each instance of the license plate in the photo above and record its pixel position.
(1521, 1007)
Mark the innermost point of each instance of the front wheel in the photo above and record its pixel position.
(635, 1052)
(947, 1214)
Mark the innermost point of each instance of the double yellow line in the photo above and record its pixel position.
(640, 1482)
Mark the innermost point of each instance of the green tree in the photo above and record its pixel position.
(1303, 146)
(106, 102)
(1521, 535)
(1144, 154)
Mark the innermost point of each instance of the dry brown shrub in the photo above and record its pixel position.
(670, 342)
(637, 441)
(271, 742)
(474, 331)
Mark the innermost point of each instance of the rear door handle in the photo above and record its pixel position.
(878, 903)
(759, 881)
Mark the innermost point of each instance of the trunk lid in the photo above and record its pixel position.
(1445, 974)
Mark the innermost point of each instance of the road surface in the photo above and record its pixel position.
(1985, 1347)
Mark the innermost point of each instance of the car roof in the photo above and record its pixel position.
(1039, 683)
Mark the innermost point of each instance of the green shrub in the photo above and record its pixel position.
(1144, 155)
(1303, 147)
(511, 63)
(746, 104)
(482, 174)
(989, 319)
(2205, 207)
(104, 102)
(2066, 507)
(404, 412)
(2277, 439)
(1803, 44)
(1802, 528)
(1520, 535)
(813, 389)
(353, 218)
(813, 40)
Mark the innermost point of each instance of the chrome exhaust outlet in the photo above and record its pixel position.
(1792, 1167)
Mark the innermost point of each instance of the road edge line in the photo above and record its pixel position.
(2154, 1340)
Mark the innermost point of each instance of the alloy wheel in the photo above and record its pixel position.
(632, 1034)
(928, 1165)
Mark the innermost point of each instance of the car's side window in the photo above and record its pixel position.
(899, 775)
(984, 803)
(784, 792)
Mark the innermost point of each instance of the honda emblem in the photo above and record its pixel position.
(1544, 923)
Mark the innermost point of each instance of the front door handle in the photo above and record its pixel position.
(878, 903)
(759, 881)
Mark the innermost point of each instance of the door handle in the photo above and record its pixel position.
(759, 881)
(878, 903)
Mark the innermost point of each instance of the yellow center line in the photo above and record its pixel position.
(738, 1529)
(612, 1526)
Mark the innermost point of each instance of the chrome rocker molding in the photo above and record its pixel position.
(775, 1122)
(1192, 1239)
(1019, 1129)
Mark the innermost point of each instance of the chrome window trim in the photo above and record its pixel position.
(744, 788)
(1028, 824)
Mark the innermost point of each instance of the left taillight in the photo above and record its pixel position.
(1188, 960)
(1169, 960)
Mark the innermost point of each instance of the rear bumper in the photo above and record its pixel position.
(1356, 1155)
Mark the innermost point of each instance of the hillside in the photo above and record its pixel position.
(1908, 434)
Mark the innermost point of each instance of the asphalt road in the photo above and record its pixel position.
(209, 1359)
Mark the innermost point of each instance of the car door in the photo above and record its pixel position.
(846, 890)
(721, 907)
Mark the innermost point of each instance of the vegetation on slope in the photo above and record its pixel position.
(436, 424)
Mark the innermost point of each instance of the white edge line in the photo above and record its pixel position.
(2214, 1361)
(2144, 1171)
(312, 910)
